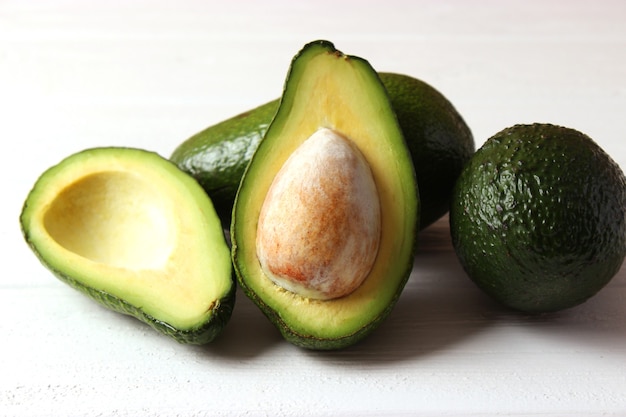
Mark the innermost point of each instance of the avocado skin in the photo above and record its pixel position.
(218, 155)
(439, 140)
(538, 218)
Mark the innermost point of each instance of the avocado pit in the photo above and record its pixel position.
(319, 228)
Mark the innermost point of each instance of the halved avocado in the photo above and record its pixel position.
(337, 99)
(135, 233)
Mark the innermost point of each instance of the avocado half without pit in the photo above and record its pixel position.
(132, 231)
(325, 220)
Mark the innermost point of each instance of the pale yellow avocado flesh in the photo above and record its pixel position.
(114, 218)
(343, 104)
(123, 227)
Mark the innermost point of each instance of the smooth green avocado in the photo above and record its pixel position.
(132, 231)
(439, 141)
(538, 217)
(326, 217)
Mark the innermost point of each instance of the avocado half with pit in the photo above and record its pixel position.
(135, 233)
(326, 217)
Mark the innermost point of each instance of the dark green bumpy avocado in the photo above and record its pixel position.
(538, 217)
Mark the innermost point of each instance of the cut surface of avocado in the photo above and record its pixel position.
(131, 230)
(341, 95)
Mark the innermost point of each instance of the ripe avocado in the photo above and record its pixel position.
(439, 140)
(538, 217)
(350, 168)
(132, 231)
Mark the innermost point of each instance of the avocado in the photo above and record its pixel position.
(538, 217)
(439, 140)
(130, 230)
(325, 221)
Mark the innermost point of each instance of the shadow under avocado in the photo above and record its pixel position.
(248, 333)
(439, 307)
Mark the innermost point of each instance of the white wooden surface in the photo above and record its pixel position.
(151, 73)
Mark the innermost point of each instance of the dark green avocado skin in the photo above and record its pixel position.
(538, 217)
(439, 140)
(218, 155)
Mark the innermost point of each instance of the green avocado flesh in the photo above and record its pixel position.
(538, 218)
(135, 233)
(439, 141)
(327, 89)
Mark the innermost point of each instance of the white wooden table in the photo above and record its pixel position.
(151, 73)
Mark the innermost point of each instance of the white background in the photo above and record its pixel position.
(149, 74)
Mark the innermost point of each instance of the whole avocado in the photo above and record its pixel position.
(538, 217)
(439, 140)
